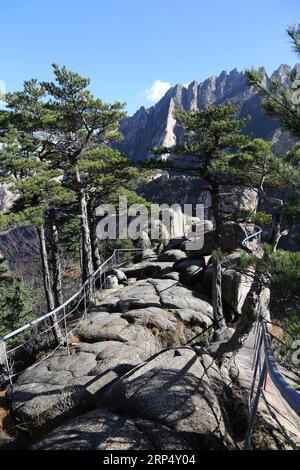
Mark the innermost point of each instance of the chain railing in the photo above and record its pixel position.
(264, 364)
(67, 317)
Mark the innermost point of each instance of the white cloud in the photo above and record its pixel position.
(157, 90)
(186, 85)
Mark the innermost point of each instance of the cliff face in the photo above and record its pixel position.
(156, 126)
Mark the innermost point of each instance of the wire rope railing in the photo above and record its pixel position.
(253, 236)
(264, 364)
(76, 306)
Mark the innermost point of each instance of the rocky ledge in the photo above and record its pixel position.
(138, 375)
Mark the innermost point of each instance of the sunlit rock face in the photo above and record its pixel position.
(156, 126)
(173, 189)
(7, 198)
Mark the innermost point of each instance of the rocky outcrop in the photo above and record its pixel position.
(156, 126)
(130, 324)
(167, 403)
(190, 270)
(172, 255)
(97, 430)
(172, 389)
(138, 376)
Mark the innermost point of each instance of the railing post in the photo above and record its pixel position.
(93, 288)
(265, 380)
(84, 301)
(253, 411)
(66, 332)
(257, 365)
(6, 362)
(257, 345)
(104, 278)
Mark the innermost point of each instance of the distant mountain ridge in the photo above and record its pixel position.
(156, 125)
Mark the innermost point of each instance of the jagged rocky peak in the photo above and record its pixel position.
(282, 72)
(297, 69)
(192, 95)
(156, 126)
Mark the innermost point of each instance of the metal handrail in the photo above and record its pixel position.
(265, 366)
(83, 294)
(291, 396)
(70, 300)
(258, 233)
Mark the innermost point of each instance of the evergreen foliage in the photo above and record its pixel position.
(56, 155)
(15, 301)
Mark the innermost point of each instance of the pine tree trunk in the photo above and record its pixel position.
(252, 306)
(275, 232)
(56, 260)
(94, 240)
(95, 249)
(47, 283)
(215, 206)
(87, 261)
(219, 321)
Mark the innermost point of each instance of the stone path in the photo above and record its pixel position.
(286, 416)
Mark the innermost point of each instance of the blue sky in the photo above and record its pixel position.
(133, 50)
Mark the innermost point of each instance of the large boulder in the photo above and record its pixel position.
(97, 430)
(149, 340)
(59, 369)
(235, 284)
(192, 318)
(144, 241)
(190, 270)
(172, 255)
(175, 244)
(120, 275)
(112, 282)
(196, 325)
(175, 220)
(145, 255)
(38, 404)
(53, 390)
(152, 317)
(191, 247)
(232, 236)
(174, 295)
(101, 326)
(113, 349)
(163, 324)
(235, 287)
(140, 294)
(111, 355)
(172, 389)
(237, 198)
(144, 269)
(168, 273)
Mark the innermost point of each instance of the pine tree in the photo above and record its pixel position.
(282, 102)
(208, 134)
(56, 150)
(79, 123)
(74, 130)
(40, 195)
(256, 167)
(15, 300)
